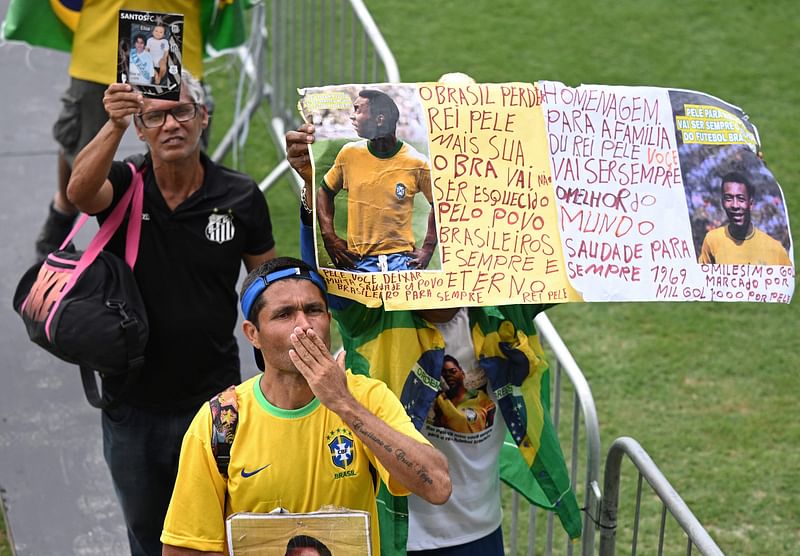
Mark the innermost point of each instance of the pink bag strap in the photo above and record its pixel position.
(136, 191)
(134, 196)
(77, 226)
(135, 220)
(112, 223)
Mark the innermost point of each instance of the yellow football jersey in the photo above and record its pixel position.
(380, 195)
(299, 460)
(758, 248)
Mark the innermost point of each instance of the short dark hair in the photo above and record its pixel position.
(453, 360)
(270, 266)
(305, 541)
(139, 36)
(381, 103)
(737, 177)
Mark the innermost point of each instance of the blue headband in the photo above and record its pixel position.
(263, 282)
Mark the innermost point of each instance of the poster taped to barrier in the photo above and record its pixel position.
(445, 195)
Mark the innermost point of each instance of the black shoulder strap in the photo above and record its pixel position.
(225, 416)
(95, 395)
(137, 160)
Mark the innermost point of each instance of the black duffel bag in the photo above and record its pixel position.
(85, 307)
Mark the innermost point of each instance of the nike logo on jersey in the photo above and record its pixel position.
(245, 474)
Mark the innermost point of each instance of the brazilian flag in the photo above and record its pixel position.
(51, 23)
(386, 344)
(37, 22)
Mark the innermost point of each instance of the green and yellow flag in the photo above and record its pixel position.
(386, 344)
(36, 23)
(50, 23)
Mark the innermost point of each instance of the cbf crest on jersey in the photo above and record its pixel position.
(340, 443)
(220, 227)
(400, 191)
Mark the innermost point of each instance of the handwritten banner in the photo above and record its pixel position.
(442, 195)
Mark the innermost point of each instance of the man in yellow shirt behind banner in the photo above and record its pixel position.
(739, 241)
(93, 66)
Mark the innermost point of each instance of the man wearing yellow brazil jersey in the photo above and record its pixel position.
(381, 175)
(309, 434)
(739, 241)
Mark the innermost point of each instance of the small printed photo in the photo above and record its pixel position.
(373, 193)
(736, 207)
(463, 404)
(150, 49)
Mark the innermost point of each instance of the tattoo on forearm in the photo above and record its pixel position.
(358, 426)
(422, 473)
(401, 455)
(421, 470)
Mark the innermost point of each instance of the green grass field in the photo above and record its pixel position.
(706, 388)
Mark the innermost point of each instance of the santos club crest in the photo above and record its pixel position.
(220, 227)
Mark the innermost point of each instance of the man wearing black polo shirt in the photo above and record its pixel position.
(199, 222)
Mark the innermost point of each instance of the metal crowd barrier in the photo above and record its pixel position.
(693, 532)
(302, 43)
(579, 432)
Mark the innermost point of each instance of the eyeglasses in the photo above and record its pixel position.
(156, 118)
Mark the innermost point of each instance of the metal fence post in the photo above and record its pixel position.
(671, 500)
